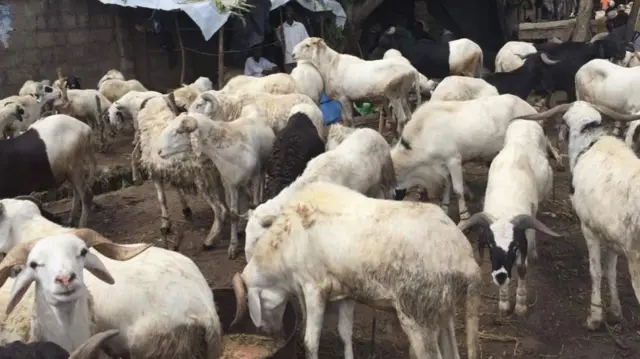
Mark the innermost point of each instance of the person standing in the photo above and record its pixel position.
(290, 33)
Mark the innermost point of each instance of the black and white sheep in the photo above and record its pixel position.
(90, 349)
(51, 152)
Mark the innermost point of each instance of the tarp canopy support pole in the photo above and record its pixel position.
(182, 53)
(220, 57)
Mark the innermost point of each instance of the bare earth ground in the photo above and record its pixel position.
(558, 282)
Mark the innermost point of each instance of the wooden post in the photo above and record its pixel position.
(631, 23)
(220, 57)
(182, 53)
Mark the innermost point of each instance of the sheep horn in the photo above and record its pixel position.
(615, 115)
(546, 114)
(525, 221)
(65, 98)
(119, 252)
(59, 72)
(240, 292)
(545, 58)
(478, 219)
(89, 348)
(208, 97)
(17, 256)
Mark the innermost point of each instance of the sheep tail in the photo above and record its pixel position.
(472, 316)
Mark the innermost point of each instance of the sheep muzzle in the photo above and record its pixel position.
(240, 292)
(107, 248)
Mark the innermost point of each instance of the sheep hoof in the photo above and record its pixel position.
(560, 167)
(137, 181)
(188, 215)
(208, 247)
(233, 252)
(165, 231)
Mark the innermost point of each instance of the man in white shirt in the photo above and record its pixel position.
(293, 33)
(258, 66)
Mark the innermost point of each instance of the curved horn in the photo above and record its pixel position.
(17, 256)
(545, 58)
(615, 115)
(525, 221)
(89, 349)
(240, 292)
(59, 72)
(478, 219)
(64, 91)
(119, 252)
(546, 114)
(208, 97)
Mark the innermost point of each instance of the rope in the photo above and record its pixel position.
(224, 52)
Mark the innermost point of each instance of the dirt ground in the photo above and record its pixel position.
(558, 282)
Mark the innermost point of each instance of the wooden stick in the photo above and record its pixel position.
(182, 53)
(220, 57)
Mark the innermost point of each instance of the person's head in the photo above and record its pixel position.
(256, 53)
(288, 12)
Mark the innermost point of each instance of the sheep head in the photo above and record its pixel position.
(57, 264)
(179, 136)
(310, 49)
(15, 110)
(266, 304)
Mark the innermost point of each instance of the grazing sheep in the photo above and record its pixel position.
(462, 88)
(294, 146)
(141, 304)
(90, 349)
(512, 54)
(348, 78)
(58, 150)
(308, 80)
(225, 106)
(278, 84)
(604, 195)
(239, 149)
(426, 85)
(362, 162)
(520, 177)
(403, 257)
(114, 89)
(185, 172)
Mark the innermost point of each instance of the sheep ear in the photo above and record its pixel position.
(255, 306)
(20, 285)
(267, 221)
(94, 265)
(188, 124)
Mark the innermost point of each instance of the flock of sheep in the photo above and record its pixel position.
(324, 220)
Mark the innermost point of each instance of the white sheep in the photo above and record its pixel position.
(88, 105)
(348, 78)
(141, 304)
(126, 108)
(519, 179)
(407, 258)
(10, 113)
(32, 111)
(30, 87)
(51, 152)
(336, 134)
(279, 84)
(604, 195)
(426, 85)
(185, 172)
(239, 149)
(112, 74)
(511, 55)
(462, 88)
(184, 96)
(442, 135)
(227, 106)
(114, 89)
(308, 80)
(361, 162)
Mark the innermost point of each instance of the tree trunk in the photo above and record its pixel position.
(631, 23)
(582, 31)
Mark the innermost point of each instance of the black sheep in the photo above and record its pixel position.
(90, 349)
(295, 145)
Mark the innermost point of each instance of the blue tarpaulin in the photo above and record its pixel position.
(331, 109)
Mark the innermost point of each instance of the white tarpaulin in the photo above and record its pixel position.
(209, 18)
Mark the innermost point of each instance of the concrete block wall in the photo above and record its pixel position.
(77, 35)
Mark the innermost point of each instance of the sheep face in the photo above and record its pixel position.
(309, 49)
(116, 117)
(203, 84)
(56, 264)
(46, 93)
(175, 138)
(266, 305)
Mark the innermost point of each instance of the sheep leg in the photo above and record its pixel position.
(232, 192)
(315, 307)
(454, 165)
(595, 270)
(165, 228)
(503, 299)
(346, 111)
(400, 115)
(521, 289)
(532, 248)
(446, 196)
(135, 154)
(83, 193)
(219, 214)
(381, 119)
(555, 154)
(186, 210)
(345, 326)
(75, 207)
(447, 339)
(255, 189)
(615, 310)
(423, 341)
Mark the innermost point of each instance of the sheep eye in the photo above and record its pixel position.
(33, 265)
(83, 252)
